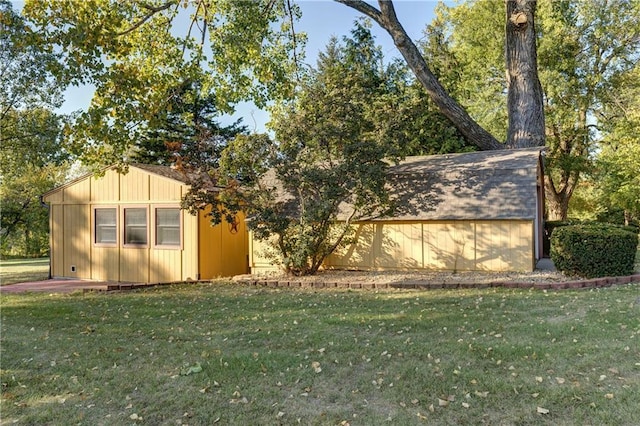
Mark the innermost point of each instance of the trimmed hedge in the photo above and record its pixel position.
(594, 250)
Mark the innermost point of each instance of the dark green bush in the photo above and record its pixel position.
(594, 250)
(549, 226)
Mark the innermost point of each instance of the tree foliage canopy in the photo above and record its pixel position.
(136, 52)
(584, 49)
(327, 163)
(32, 159)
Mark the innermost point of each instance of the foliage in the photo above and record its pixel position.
(491, 354)
(187, 136)
(186, 131)
(26, 66)
(595, 250)
(618, 171)
(467, 55)
(327, 168)
(580, 69)
(32, 160)
(135, 53)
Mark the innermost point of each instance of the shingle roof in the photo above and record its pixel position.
(165, 171)
(486, 185)
(477, 185)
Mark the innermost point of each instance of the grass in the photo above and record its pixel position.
(22, 270)
(226, 354)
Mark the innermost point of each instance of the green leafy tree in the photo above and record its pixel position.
(328, 166)
(243, 50)
(618, 172)
(584, 48)
(187, 126)
(526, 119)
(32, 160)
(135, 54)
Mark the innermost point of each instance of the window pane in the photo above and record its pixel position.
(105, 226)
(168, 227)
(135, 222)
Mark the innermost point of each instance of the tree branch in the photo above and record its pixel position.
(152, 11)
(293, 36)
(449, 107)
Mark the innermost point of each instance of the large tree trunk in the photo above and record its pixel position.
(386, 18)
(525, 98)
(558, 192)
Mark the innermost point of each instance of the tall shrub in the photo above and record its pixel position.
(596, 250)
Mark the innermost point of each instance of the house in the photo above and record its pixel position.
(130, 228)
(457, 212)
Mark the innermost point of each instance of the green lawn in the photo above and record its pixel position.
(22, 270)
(226, 354)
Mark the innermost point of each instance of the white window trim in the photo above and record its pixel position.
(124, 226)
(155, 228)
(94, 229)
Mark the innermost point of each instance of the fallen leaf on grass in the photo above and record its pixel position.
(197, 368)
(541, 410)
(316, 366)
(465, 405)
(560, 380)
(442, 402)
(481, 394)
(539, 379)
(608, 395)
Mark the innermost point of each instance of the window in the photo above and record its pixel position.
(168, 226)
(135, 226)
(105, 226)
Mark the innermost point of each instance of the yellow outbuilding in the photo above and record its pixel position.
(476, 211)
(130, 228)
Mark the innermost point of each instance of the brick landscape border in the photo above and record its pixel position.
(409, 284)
(431, 285)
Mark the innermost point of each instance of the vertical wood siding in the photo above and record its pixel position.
(134, 265)
(222, 253)
(78, 193)
(259, 260)
(134, 186)
(72, 230)
(451, 246)
(56, 237)
(105, 263)
(77, 244)
(160, 190)
(190, 247)
(106, 188)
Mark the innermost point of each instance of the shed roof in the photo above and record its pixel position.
(164, 171)
(481, 185)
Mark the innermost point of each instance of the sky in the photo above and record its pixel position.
(321, 19)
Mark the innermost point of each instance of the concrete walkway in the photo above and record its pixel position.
(55, 286)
